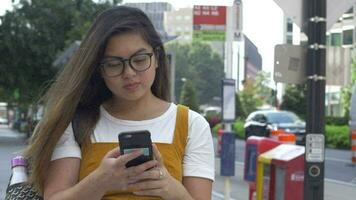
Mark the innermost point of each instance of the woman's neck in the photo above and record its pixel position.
(149, 108)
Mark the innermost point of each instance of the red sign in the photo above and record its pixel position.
(214, 15)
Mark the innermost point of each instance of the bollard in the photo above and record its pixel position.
(275, 133)
(220, 133)
(287, 138)
(353, 146)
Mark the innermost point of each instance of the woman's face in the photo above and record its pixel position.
(131, 84)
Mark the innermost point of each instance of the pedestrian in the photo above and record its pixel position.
(118, 81)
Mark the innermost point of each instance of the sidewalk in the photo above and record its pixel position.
(7, 132)
(239, 188)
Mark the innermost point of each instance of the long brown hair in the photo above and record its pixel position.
(80, 89)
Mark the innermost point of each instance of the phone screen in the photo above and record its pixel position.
(145, 151)
(136, 140)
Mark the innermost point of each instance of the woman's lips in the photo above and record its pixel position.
(131, 86)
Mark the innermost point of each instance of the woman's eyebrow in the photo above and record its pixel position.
(136, 52)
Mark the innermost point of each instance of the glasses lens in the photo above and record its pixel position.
(113, 67)
(140, 62)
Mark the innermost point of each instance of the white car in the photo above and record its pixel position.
(3, 120)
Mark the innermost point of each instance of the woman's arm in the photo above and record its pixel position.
(198, 188)
(62, 179)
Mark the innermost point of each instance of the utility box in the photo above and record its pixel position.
(280, 173)
(255, 146)
(227, 154)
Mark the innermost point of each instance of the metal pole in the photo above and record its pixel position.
(315, 12)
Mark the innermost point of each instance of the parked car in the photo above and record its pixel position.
(261, 123)
(3, 120)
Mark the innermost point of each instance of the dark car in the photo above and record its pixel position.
(260, 123)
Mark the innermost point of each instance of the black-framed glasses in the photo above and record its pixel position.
(115, 66)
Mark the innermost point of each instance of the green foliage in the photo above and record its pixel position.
(263, 92)
(239, 129)
(197, 62)
(295, 100)
(31, 37)
(188, 96)
(215, 129)
(337, 137)
(338, 121)
(239, 109)
(346, 93)
(248, 101)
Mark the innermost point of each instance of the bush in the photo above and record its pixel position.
(337, 137)
(215, 129)
(339, 121)
(238, 128)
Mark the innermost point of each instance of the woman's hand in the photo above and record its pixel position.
(112, 173)
(158, 182)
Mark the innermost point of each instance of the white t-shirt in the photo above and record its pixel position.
(198, 158)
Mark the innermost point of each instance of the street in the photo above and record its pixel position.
(340, 174)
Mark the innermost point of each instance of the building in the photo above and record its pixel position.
(253, 59)
(155, 11)
(340, 42)
(179, 23)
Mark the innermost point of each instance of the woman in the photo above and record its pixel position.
(117, 81)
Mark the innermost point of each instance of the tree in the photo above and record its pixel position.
(346, 92)
(262, 91)
(197, 62)
(248, 98)
(294, 99)
(209, 68)
(239, 109)
(188, 96)
(31, 36)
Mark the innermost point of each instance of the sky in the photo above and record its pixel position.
(262, 22)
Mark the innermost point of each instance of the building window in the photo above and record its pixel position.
(289, 27)
(335, 39)
(289, 39)
(327, 40)
(347, 36)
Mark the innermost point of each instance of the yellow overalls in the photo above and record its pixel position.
(172, 155)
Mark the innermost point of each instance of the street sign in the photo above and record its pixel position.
(228, 106)
(335, 8)
(209, 23)
(314, 148)
(289, 64)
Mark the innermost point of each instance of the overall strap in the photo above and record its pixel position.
(181, 129)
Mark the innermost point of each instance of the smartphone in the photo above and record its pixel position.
(134, 140)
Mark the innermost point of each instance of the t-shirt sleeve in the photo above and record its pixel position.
(199, 153)
(66, 146)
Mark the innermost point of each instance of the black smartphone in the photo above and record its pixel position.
(136, 140)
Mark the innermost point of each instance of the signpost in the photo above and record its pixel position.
(228, 142)
(209, 23)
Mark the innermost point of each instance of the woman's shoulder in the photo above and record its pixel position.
(195, 117)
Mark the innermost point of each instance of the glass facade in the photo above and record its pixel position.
(347, 37)
(335, 39)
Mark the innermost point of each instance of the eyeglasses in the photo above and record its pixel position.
(115, 66)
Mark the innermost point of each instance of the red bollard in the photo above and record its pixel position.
(353, 146)
(220, 133)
